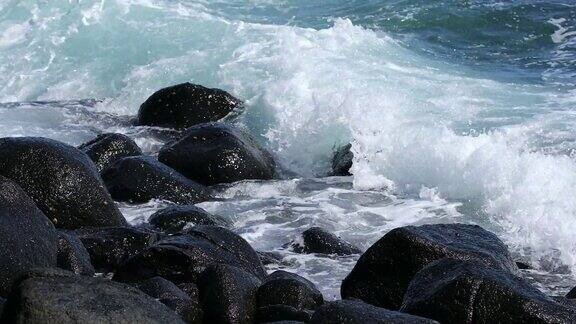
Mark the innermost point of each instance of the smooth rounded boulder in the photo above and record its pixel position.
(357, 312)
(286, 288)
(27, 238)
(455, 291)
(63, 182)
(173, 297)
(174, 219)
(139, 179)
(61, 298)
(218, 153)
(383, 272)
(108, 148)
(184, 105)
(72, 254)
(318, 240)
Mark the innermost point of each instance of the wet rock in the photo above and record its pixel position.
(218, 153)
(173, 297)
(181, 258)
(190, 289)
(228, 294)
(62, 181)
(280, 313)
(76, 299)
(174, 219)
(357, 312)
(27, 238)
(72, 255)
(384, 271)
(318, 240)
(139, 179)
(108, 148)
(571, 294)
(185, 105)
(285, 288)
(268, 258)
(455, 291)
(111, 246)
(523, 265)
(342, 161)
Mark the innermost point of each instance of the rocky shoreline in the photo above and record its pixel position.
(69, 256)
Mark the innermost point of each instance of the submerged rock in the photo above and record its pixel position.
(61, 298)
(174, 219)
(108, 148)
(218, 153)
(72, 255)
(455, 291)
(139, 179)
(228, 294)
(285, 288)
(357, 312)
(183, 257)
(185, 105)
(173, 297)
(318, 240)
(111, 246)
(342, 161)
(62, 181)
(27, 238)
(383, 272)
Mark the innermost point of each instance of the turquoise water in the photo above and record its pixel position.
(456, 110)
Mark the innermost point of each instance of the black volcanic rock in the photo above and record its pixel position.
(318, 240)
(27, 238)
(173, 297)
(282, 313)
(63, 182)
(357, 312)
(285, 288)
(108, 148)
(218, 153)
(174, 219)
(383, 272)
(139, 179)
(72, 254)
(185, 105)
(454, 291)
(183, 257)
(342, 161)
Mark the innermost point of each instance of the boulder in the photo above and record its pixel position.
(174, 219)
(139, 179)
(27, 238)
(571, 294)
(72, 254)
(290, 289)
(455, 291)
(63, 182)
(173, 297)
(268, 258)
(190, 289)
(109, 247)
(228, 294)
(108, 148)
(183, 257)
(76, 299)
(218, 153)
(185, 105)
(383, 272)
(342, 161)
(318, 240)
(358, 312)
(282, 313)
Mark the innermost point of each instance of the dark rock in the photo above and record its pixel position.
(108, 148)
(571, 294)
(109, 247)
(228, 294)
(76, 299)
(455, 291)
(72, 255)
(317, 240)
(185, 105)
(173, 297)
(190, 289)
(174, 219)
(269, 257)
(218, 153)
(63, 182)
(27, 238)
(342, 161)
(357, 312)
(2, 302)
(139, 179)
(384, 271)
(278, 313)
(181, 258)
(285, 288)
(523, 265)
